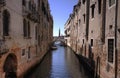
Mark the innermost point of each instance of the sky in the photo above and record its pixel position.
(60, 10)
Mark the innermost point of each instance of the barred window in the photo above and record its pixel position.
(110, 50)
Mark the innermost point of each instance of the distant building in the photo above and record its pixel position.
(67, 31)
(94, 35)
(59, 33)
(26, 29)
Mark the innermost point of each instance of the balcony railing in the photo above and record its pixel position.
(25, 11)
(31, 14)
(2, 2)
(34, 16)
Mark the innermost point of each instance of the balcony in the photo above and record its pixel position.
(2, 3)
(34, 16)
(25, 11)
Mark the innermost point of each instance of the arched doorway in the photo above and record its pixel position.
(10, 66)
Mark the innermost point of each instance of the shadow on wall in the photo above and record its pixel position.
(97, 73)
(89, 63)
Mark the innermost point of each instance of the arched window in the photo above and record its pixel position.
(6, 22)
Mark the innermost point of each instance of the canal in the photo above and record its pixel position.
(60, 63)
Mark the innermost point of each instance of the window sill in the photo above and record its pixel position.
(6, 37)
(110, 7)
(27, 37)
(92, 18)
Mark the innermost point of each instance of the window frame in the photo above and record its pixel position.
(84, 18)
(6, 25)
(83, 1)
(91, 42)
(99, 6)
(23, 53)
(93, 11)
(111, 5)
(29, 52)
(111, 63)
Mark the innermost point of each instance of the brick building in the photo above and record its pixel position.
(26, 29)
(94, 27)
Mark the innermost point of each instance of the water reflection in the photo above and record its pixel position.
(60, 63)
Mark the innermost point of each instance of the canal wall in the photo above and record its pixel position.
(25, 69)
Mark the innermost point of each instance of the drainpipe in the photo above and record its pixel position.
(77, 31)
(87, 18)
(116, 53)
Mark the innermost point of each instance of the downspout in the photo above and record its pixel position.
(116, 53)
(87, 18)
(77, 31)
(103, 21)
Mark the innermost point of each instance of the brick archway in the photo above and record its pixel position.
(10, 66)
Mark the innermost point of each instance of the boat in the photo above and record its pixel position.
(54, 47)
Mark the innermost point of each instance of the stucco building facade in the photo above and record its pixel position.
(95, 35)
(26, 29)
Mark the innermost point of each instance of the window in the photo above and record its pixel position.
(6, 22)
(84, 1)
(92, 10)
(36, 32)
(30, 5)
(79, 21)
(110, 50)
(23, 52)
(28, 52)
(26, 28)
(83, 41)
(91, 42)
(84, 17)
(36, 50)
(111, 2)
(23, 2)
(39, 40)
(99, 6)
(43, 8)
(110, 26)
